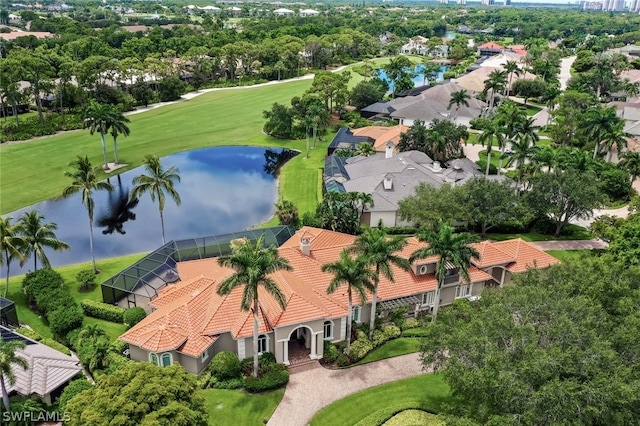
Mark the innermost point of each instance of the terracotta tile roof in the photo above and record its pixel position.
(190, 315)
(526, 255)
(382, 134)
(491, 255)
(490, 45)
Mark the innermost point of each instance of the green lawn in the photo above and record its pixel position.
(108, 268)
(427, 392)
(232, 407)
(395, 347)
(218, 118)
(573, 232)
(414, 417)
(565, 255)
(532, 110)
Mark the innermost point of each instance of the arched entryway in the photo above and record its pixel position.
(301, 345)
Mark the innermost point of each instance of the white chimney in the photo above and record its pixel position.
(305, 246)
(388, 153)
(387, 183)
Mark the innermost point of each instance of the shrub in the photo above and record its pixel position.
(73, 389)
(42, 280)
(86, 278)
(115, 362)
(119, 346)
(360, 348)
(225, 365)
(343, 360)
(246, 366)
(53, 299)
(273, 376)
(331, 352)
(29, 333)
(63, 320)
(410, 323)
(72, 338)
(203, 379)
(615, 182)
(103, 311)
(391, 331)
(379, 338)
(55, 345)
(266, 358)
(397, 315)
(132, 316)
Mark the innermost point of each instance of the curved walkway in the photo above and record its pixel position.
(309, 391)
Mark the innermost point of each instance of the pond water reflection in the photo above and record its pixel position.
(223, 189)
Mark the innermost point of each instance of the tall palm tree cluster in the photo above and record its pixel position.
(25, 239)
(359, 269)
(158, 183)
(103, 119)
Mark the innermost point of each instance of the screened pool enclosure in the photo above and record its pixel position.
(140, 282)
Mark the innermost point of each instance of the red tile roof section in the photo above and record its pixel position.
(190, 315)
(490, 45)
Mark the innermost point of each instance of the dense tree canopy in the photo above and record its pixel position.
(141, 394)
(559, 347)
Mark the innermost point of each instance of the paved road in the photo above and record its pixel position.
(309, 391)
(565, 74)
(571, 245)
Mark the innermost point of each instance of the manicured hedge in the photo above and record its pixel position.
(29, 333)
(73, 389)
(132, 316)
(103, 311)
(272, 376)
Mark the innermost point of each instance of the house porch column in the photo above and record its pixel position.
(314, 344)
(285, 352)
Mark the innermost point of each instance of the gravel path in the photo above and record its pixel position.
(309, 391)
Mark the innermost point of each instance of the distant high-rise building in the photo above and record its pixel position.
(507, 2)
(444, 1)
(634, 6)
(606, 4)
(462, 2)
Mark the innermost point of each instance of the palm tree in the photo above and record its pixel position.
(11, 246)
(510, 118)
(91, 332)
(547, 157)
(458, 99)
(252, 264)
(379, 250)
(631, 163)
(600, 121)
(511, 68)
(523, 147)
(491, 132)
(430, 71)
(355, 273)
(38, 236)
(118, 125)
(8, 360)
(495, 83)
(319, 117)
(158, 183)
(365, 149)
(451, 248)
(99, 354)
(85, 181)
(615, 136)
(97, 118)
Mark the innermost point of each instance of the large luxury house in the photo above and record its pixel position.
(426, 106)
(391, 176)
(191, 322)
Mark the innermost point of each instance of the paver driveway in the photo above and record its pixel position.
(309, 391)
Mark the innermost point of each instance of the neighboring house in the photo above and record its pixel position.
(283, 12)
(630, 112)
(390, 177)
(378, 136)
(490, 49)
(308, 12)
(416, 46)
(192, 322)
(346, 139)
(48, 370)
(16, 34)
(474, 81)
(427, 106)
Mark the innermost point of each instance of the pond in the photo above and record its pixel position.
(418, 79)
(223, 189)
